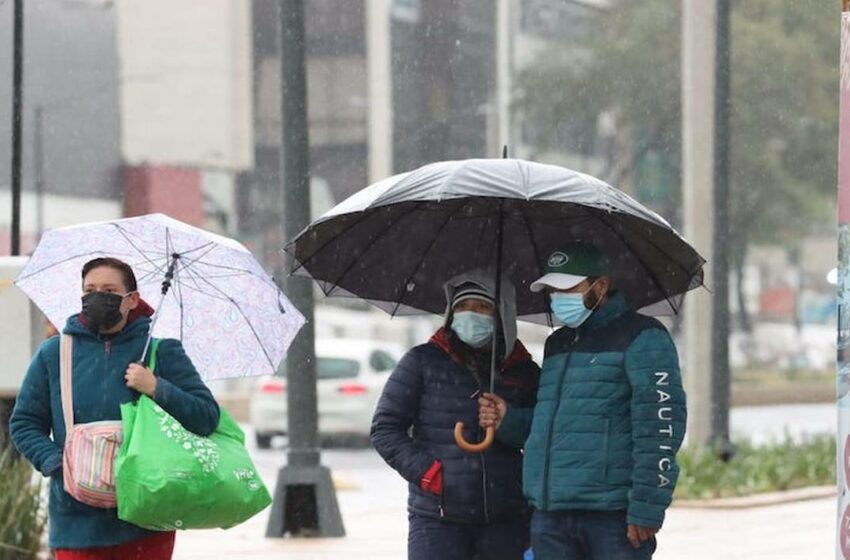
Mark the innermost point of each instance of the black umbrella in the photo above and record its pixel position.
(397, 242)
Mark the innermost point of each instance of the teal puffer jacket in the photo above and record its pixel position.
(609, 419)
(38, 427)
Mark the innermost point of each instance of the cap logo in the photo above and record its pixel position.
(558, 259)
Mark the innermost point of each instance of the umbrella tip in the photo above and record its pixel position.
(505, 151)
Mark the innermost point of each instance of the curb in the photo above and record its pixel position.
(759, 500)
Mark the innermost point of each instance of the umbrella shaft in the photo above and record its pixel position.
(498, 296)
(166, 284)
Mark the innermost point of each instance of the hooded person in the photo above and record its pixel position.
(470, 332)
(461, 505)
(108, 338)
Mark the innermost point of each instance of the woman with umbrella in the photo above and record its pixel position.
(108, 337)
(218, 315)
(462, 505)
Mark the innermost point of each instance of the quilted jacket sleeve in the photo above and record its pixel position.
(516, 425)
(394, 416)
(659, 417)
(32, 420)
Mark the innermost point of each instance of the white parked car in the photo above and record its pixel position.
(350, 376)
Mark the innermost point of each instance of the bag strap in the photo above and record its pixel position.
(66, 382)
(66, 369)
(152, 356)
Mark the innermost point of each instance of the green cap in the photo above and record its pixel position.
(569, 266)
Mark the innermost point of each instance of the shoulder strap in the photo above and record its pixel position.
(66, 353)
(152, 356)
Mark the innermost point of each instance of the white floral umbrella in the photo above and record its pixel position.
(229, 313)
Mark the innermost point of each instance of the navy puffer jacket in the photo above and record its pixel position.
(413, 426)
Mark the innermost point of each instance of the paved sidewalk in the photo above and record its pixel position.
(377, 530)
(373, 502)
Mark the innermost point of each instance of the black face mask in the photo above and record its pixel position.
(102, 310)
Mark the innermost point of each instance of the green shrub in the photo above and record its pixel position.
(22, 511)
(757, 469)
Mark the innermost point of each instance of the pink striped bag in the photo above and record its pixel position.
(88, 464)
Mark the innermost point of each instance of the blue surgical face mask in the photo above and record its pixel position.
(570, 308)
(474, 329)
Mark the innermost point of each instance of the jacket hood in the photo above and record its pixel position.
(507, 301)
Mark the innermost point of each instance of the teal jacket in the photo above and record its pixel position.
(609, 419)
(99, 389)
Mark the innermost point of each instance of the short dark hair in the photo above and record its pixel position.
(611, 289)
(126, 271)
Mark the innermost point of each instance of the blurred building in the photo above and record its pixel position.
(186, 106)
(71, 120)
(130, 107)
(392, 84)
(527, 30)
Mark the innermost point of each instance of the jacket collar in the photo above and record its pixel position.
(519, 353)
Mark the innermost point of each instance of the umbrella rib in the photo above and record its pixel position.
(537, 259)
(363, 215)
(690, 274)
(211, 244)
(662, 251)
(226, 275)
(57, 263)
(245, 317)
(197, 259)
(263, 277)
(451, 215)
(399, 220)
(203, 293)
(481, 231)
(147, 274)
(124, 234)
(178, 295)
(190, 272)
(224, 267)
(197, 288)
(237, 271)
(651, 274)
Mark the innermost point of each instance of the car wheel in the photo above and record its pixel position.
(264, 441)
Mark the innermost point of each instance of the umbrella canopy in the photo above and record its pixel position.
(230, 315)
(396, 242)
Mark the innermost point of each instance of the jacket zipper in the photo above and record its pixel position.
(548, 451)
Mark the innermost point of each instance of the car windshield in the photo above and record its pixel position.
(337, 368)
(332, 368)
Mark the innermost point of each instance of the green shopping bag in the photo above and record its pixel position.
(168, 478)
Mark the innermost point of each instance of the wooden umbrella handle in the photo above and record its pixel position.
(473, 447)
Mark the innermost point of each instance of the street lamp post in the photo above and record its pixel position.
(38, 157)
(17, 122)
(720, 303)
(7, 404)
(304, 498)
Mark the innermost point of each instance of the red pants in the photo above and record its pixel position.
(155, 547)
